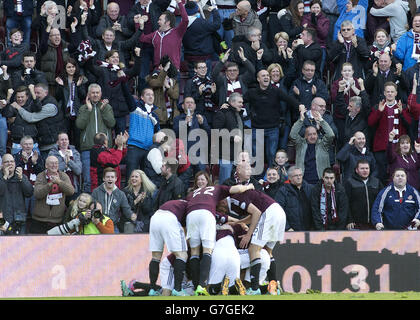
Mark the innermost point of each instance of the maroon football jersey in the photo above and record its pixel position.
(257, 198)
(207, 198)
(177, 207)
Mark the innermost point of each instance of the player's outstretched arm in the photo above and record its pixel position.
(241, 188)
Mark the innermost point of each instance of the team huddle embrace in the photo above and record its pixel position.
(211, 252)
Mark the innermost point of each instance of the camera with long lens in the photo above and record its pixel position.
(64, 228)
(2, 222)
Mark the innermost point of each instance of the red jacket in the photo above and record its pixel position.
(379, 120)
(168, 43)
(101, 158)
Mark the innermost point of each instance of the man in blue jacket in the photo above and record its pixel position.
(144, 123)
(198, 39)
(397, 206)
(406, 43)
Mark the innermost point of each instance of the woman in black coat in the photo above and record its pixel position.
(70, 94)
(139, 193)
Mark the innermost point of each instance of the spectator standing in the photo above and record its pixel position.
(144, 123)
(17, 125)
(357, 110)
(68, 161)
(396, 11)
(354, 11)
(362, 189)
(397, 206)
(354, 150)
(389, 115)
(139, 192)
(373, 23)
(198, 39)
(19, 15)
(115, 20)
(318, 21)
(12, 55)
(101, 157)
(203, 89)
(51, 189)
(49, 119)
(329, 203)
(308, 85)
(14, 188)
(291, 19)
(172, 188)
(230, 119)
(186, 122)
(306, 48)
(54, 52)
(265, 113)
(95, 116)
(407, 50)
(112, 199)
(312, 152)
(402, 155)
(71, 91)
(243, 18)
(348, 47)
(167, 40)
(295, 198)
(28, 73)
(31, 163)
(153, 11)
(382, 72)
(165, 86)
(231, 80)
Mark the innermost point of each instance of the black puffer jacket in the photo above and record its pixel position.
(361, 197)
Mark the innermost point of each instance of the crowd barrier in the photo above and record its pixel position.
(93, 265)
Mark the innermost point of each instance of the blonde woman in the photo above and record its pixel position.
(83, 207)
(139, 193)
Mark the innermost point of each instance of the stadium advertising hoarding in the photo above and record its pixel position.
(72, 266)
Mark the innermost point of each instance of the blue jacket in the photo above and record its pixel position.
(405, 49)
(198, 39)
(357, 16)
(143, 125)
(388, 210)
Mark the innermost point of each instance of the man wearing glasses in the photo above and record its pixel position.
(348, 48)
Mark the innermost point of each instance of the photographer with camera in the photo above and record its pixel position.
(84, 216)
(89, 214)
(14, 188)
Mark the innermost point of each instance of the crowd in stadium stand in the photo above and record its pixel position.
(90, 91)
